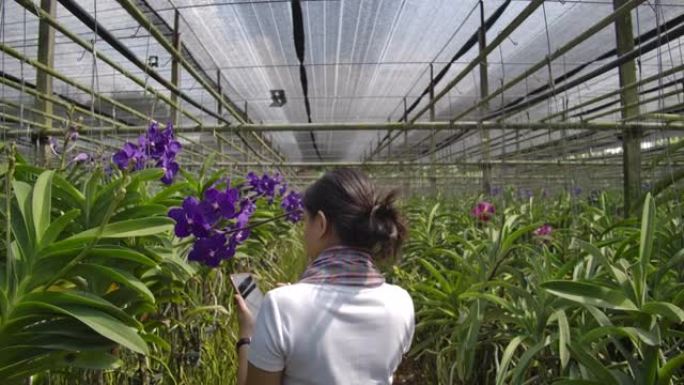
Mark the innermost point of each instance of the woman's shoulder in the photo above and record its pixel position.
(397, 292)
(396, 289)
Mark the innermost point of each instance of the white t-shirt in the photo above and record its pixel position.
(333, 334)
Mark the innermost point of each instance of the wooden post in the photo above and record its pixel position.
(484, 92)
(629, 97)
(175, 65)
(46, 56)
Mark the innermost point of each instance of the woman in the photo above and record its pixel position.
(341, 323)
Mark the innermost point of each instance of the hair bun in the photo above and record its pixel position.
(374, 210)
(385, 221)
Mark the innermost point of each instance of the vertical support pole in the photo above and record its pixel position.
(629, 97)
(407, 187)
(219, 105)
(46, 56)
(433, 144)
(484, 92)
(175, 65)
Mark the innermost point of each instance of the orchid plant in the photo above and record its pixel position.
(483, 211)
(155, 146)
(219, 222)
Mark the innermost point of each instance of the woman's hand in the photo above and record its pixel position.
(245, 317)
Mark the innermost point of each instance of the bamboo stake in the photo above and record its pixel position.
(133, 10)
(512, 26)
(65, 104)
(672, 71)
(29, 6)
(591, 31)
(14, 53)
(419, 126)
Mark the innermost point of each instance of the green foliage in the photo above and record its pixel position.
(64, 274)
(599, 302)
(95, 288)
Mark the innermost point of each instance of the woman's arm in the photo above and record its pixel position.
(243, 352)
(247, 373)
(256, 376)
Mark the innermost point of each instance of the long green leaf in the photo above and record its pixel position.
(129, 228)
(508, 241)
(666, 371)
(524, 361)
(77, 298)
(665, 310)
(496, 300)
(23, 226)
(170, 191)
(146, 175)
(589, 294)
(122, 277)
(140, 211)
(100, 322)
(563, 338)
(645, 247)
(22, 191)
(42, 203)
(58, 225)
(22, 232)
(94, 360)
(436, 275)
(594, 251)
(633, 333)
(60, 183)
(90, 189)
(506, 359)
(593, 365)
(105, 255)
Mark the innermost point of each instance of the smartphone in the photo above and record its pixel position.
(246, 286)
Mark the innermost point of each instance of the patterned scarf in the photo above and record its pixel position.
(341, 265)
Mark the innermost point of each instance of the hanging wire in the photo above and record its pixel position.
(661, 101)
(23, 80)
(147, 76)
(548, 62)
(94, 81)
(2, 31)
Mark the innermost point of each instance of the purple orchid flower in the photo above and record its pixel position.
(129, 154)
(72, 134)
(170, 168)
(155, 145)
(247, 208)
(211, 250)
(283, 189)
(543, 231)
(292, 205)
(189, 219)
(218, 204)
(253, 180)
(483, 211)
(54, 146)
(81, 158)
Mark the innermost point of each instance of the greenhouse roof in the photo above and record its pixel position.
(329, 81)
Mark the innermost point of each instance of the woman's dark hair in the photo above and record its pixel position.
(359, 215)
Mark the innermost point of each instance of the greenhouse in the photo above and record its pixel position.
(342, 192)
